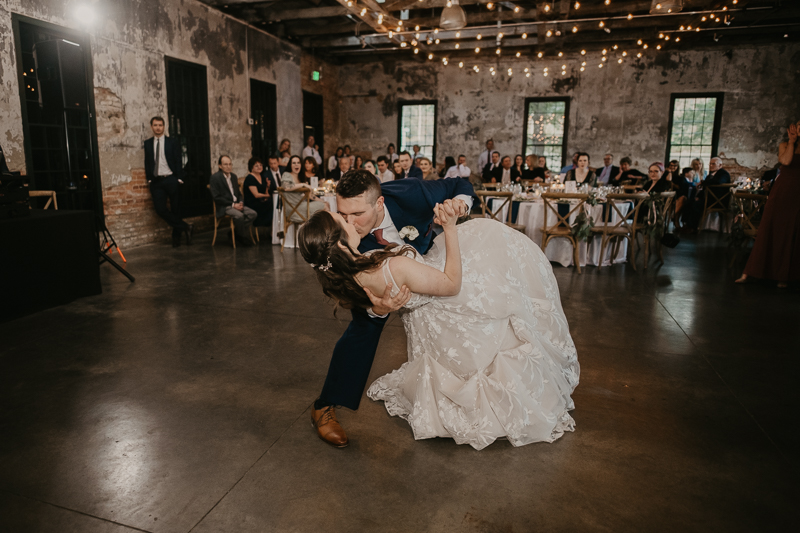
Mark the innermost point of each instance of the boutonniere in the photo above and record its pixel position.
(409, 233)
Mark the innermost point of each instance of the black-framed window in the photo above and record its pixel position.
(60, 136)
(694, 123)
(545, 129)
(187, 107)
(416, 124)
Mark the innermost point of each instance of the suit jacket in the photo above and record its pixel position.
(488, 172)
(274, 182)
(172, 151)
(611, 175)
(720, 176)
(413, 172)
(222, 194)
(410, 203)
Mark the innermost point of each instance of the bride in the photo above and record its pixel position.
(489, 350)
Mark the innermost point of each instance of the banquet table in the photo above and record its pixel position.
(277, 220)
(531, 215)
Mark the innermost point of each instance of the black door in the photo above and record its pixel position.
(312, 121)
(264, 113)
(58, 122)
(187, 106)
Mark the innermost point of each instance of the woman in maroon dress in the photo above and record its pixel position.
(776, 252)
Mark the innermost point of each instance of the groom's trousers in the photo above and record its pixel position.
(351, 361)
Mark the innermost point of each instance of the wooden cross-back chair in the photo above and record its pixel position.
(561, 227)
(717, 200)
(253, 229)
(50, 195)
(496, 213)
(750, 207)
(292, 208)
(218, 221)
(638, 226)
(620, 230)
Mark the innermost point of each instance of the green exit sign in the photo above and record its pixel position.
(315, 75)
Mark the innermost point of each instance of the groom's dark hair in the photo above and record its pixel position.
(357, 182)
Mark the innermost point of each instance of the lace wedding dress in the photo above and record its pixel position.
(496, 360)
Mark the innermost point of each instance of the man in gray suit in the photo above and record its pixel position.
(228, 199)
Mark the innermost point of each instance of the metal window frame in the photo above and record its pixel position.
(403, 103)
(717, 119)
(83, 40)
(528, 101)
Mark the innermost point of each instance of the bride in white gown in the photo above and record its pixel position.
(489, 349)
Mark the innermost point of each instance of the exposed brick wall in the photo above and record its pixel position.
(131, 216)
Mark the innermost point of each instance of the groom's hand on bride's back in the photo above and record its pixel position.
(385, 303)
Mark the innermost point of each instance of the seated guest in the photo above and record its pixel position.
(344, 166)
(542, 161)
(384, 173)
(257, 195)
(309, 170)
(369, 165)
(291, 181)
(682, 186)
(699, 172)
(273, 173)
(391, 153)
(224, 186)
(397, 170)
(533, 171)
(626, 173)
(672, 172)
(776, 251)
(460, 170)
(506, 173)
(608, 171)
(285, 155)
(573, 165)
(489, 172)
(581, 172)
(519, 166)
(658, 181)
(409, 169)
(311, 151)
(285, 146)
(449, 163)
(333, 161)
(415, 155)
(428, 172)
(716, 176)
(358, 164)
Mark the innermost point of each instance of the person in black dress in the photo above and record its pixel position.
(257, 194)
(626, 173)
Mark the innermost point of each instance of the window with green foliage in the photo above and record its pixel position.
(694, 127)
(545, 134)
(418, 126)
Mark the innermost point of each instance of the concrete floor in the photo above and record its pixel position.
(181, 403)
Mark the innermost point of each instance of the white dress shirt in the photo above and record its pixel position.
(332, 163)
(163, 167)
(390, 232)
(458, 171)
(393, 157)
(229, 181)
(506, 176)
(388, 175)
(310, 151)
(275, 176)
(483, 159)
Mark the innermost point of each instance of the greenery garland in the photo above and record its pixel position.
(582, 227)
(738, 238)
(653, 226)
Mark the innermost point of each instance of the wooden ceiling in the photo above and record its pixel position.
(375, 30)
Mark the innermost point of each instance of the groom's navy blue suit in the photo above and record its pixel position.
(410, 203)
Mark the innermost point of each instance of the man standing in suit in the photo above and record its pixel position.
(489, 172)
(409, 169)
(228, 199)
(164, 173)
(378, 211)
(486, 155)
(608, 172)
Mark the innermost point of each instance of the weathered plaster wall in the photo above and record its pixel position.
(328, 88)
(129, 41)
(622, 109)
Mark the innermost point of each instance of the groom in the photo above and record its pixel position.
(380, 213)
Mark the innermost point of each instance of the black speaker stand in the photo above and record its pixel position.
(106, 247)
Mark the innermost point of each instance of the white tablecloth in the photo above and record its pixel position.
(277, 220)
(559, 250)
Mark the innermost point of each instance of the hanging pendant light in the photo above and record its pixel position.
(453, 17)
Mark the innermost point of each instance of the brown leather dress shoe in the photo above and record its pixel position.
(328, 428)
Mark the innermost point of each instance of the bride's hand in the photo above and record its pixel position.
(792, 133)
(445, 215)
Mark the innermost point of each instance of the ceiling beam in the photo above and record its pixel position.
(270, 15)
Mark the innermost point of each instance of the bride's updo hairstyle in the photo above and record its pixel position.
(323, 244)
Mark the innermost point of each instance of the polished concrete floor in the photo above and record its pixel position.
(181, 403)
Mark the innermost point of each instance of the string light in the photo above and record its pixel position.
(519, 54)
(436, 41)
(458, 34)
(528, 75)
(644, 46)
(605, 51)
(624, 54)
(436, 30)
(477, 49)
(500, 35)
(600, 65)
(540, 54)
(460, 64)
(666, 37)
(458, 45)
(490, 5)
(416, 50)
(380, 19)
(615, 47)
(524, 35)
(560, 54)
(574, 29)
(602, 23)
(479, 37)
(391, 33)
(639, 42)
(577, 5)
(547, 8)
(677, 39)
(658, 47)
(583, 52)
(607, 2)
(703, 19)
(403, 44)
(430, 56)
(497, 51)
(630, 16)
(516, 8)
(549, 33)
(619, 60)
(363, 11)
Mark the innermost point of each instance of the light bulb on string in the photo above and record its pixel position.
(436, 41)
(477, 49)
(458, 34)
(677, 39)
(436, 30)
(619, 60)
(639, 54)
(363, 11)
(630, 16)
(602, 23)
(658, 47)
(479, 37)
(497, 51)
(605, 51)
(524, 35)
(540, 54)
(430, 56)
(644, 46)
(624, 54)
(549, 33)
(583, 52)
(639, 42)
(391, 34)
(577, 5)
(660, 35)
(615, 47)
(403, 44)
(560, 54)
(460, 64)
(519, 54)
(574, 29)
(416, 28)
(416, 50)
(458, 45)
(704, 18)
